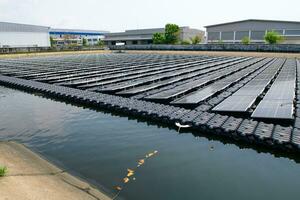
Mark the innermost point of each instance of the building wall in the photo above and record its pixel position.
(255, 30)
(91, 39)
(92, 36)
(144, 36)
(24, 39)
(188, 33)
(23, 35)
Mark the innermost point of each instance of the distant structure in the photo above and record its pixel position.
(65, 37)
(23, 35)
(144, 36)
(255, 29)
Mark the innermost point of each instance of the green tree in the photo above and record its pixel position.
(246, 40)
(196, 39)
(158, 38)
(172, 32)
(272, 37)
(84, 42)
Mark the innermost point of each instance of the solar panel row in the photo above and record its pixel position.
(179, 90)
(210, 68)
(180, 74)
(114, 69)
(244, 98)
(206, 92)
(278, 102)
(94, 81)
(187, 71)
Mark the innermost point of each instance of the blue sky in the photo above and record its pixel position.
(118, 15)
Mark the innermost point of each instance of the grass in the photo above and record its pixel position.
(3, 171)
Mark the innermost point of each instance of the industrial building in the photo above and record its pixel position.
(144, 36)
(234, 32)
(64, 37)
(23, 35)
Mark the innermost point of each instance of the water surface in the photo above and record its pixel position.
(100, 147)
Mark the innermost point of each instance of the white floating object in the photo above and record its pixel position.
(182, 126)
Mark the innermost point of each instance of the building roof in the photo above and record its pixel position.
(16, 27)
(127, 38)
(76, 31)
(150, 31)
(135, 32)
(247, 20)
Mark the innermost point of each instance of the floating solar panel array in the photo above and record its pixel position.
(256, 99)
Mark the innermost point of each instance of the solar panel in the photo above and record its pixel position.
(279, 109)
(220, 85)
(199, 95)
(251, 90)
(96, 80)
(211, 67)
(235, 104)
(192, 71)
(179, 90)
(278, 102)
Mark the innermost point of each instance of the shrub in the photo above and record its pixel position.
(272, 37)
(196, 39)
(246, 40)
(185, 42)
(3, 171)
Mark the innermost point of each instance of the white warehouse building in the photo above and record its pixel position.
(23, 35)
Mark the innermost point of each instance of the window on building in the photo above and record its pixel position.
(292, 32)
(278, 31)
(95, 39)
(257, 35)
(213, 35)
(227, 35)
(134, 42)
(89, 40)
(239, 35)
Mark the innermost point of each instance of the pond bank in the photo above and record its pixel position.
(31, 177)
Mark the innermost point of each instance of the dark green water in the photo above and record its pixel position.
(100, 147)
